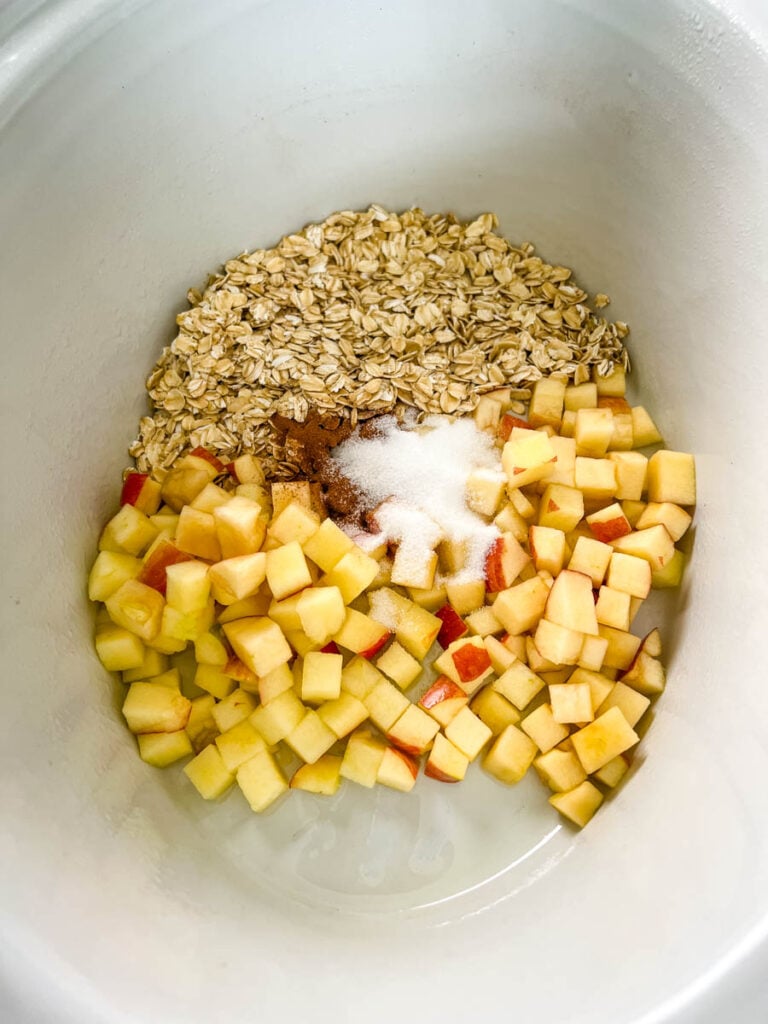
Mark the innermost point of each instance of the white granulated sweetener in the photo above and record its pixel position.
(419, 478)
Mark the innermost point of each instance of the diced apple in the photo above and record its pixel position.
(261, 781)
(511, 755)
(465, 595)
(613, 384)
(644, 429)
(646, 674)
(543, 728)
(571, 703)
(361, 634)
(446, 763)
(622, 648)
(535, 659)
(321, 612)
(509, 423)
(581, 396)
(568, 425)
(287, 570)
(630, 574)
(397, 770)
(399, 665)
(344, 714)
(484, 491)
(153, 572)
(108, 573)
(140, 490)
(671, 574)
(631, 469)
(629, 701)
(488, 413)
(591, 557)
(286, 612)
(274, 721)
(301, 491)
(322, 778)
(452, 555)
(595, 478)
(246, 469)
(612, 608)
(652, 643)
(128, 532)
(163, 748)
(466, 662)
(453, 626)
(208, 774)
(509, 520)
(493, 709)
(579, 804)
(188, 586)
(233, 709)
(240, 527)
(259, 643)
(294, 522)
(415, 628)
(196, 534)
(501, 654)
(609, 523)
(359, 677)
(352, 574)
(528, 458)
(612, 773)
(593, 432)
(468, 733)
(234, 579)
(444, 700)
(239, 744)
(431, 599)
(558, 644)
(547, 547)
(214, 681)
(212, 496)
(118, 649)
(321, 678)
(413, 566)
(561, 770)
(413, 731)
(153, 664)
(362, 758)
(599, 742)
(667, 514)
(311, 737)
(187, 625)
(570, 603)
(183, 484)
(520, 608)
(623, 436)
(546, 405)
(519, 685)
(137, 608)
(482, 622)
(385, 704)
(561, 508)
(593, 651)
(653, 544)
(328, 545)
(201, 727)
(151, 708)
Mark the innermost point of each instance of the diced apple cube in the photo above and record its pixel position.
(274, 721)
(653, 544)
(188, 586)
(482, 622)
(561, 508)
(108, 573)
(446, 763)
(444, 700)
(593, 651)
(118, 649)
(397, 770)
(609, 523)
(183, 483)
(261, 781)
(528, 458)
(239, 744)
(431, 599)
(592, 558)
(234, 579)
(413, 566)
(493, 709)
(629, 574)
(631, 469)
(488, 413)
(352, 574)
(599, 742)
(558, 644)
(571, 703)
(509, 520)
(485, 489)
(153, 664)
(415, 628)
(362, 758)
(344, 714)
(453, 626)
(151, 708)
(543, 728)
(593, 431)
(561, 770)
(212, 496)
(322, 778)
(294, 522)
(286, 612)
(595, 478)
(579, 804)
(208, 773)
(570, 603)
(501, 653)
(359, 677)
(246, 469)
(505, 558)
(612, 773)
(468, 733)
(671, 574)
(233, 709)
(581, 396)
(128, 532)
(214, 681)
(466, 662)
(137, 608)
(321, 677)
(361, 634)
(328, 545)
(623, 436)
(520, 608)
(321, 612)
(644, 429)
(465, 595)
(287, 570)
(274, 683)
(399, 665)
(311, 738)
(547, 547)
(613, 384)
(511, 755)
(633, 510)
(622, 648)
(201, 727)
(519, 685)
(241, 526)
(413, 731)
(646, 675)
(140, 490)
(612, 608)
(630, 702)
(546, 405)
(259, 643)
(452, 555)
(667, 514)
(163, 748)
(385, 704)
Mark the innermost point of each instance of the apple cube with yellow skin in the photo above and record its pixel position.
(234, 579)
(343, 715)
(327, 546)
(321, 612)
(578, 805)
(547, 547)
(592, 558)
(201, 727)
(511, 755)
(527, 458)
(362, 758)
(644, 430)
(629, 574)
(161, 749)
(609, 523)
(520, 607)
(667, 514)
(118, 649)
(397, 770)
(493, 709)
(385, 704)
(209, 650)
(485, 489)
(542, 727)
(593, 432)
(468, 733)
(595, 478)
(359, 677)
(431, 599)
(151, 708)
(613, 608)
(322, 778)
(137, 608)
(153, 664)
(570, 603)
(630, 702)
(129, 532)
(631, 469)
(361, 634)
(321, 677)
(274, 683)
(519, 685)
(259, 643)
(239, 744)
(558, 644)
(233, 709)
(261, 781)
(612, 773)
(208, 774)
(561, 507)
(446, 763)
(561, 770)
(214, 680)
(294, 522)
(241, 526)
(352, 574)
(212, 496)
(311, 738)
(108, 573)
(465, 595)
(182, 484)
(546, 405)
(599, 742)
(399, 666)
(482, 622)
(274, 721)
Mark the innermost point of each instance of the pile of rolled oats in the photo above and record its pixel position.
(357, 316)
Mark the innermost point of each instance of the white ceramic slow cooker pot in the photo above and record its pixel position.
(141, 143)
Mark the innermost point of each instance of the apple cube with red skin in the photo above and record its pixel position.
(519, 685)
(468, 733)
(128, 532)
(547, 547)
(527, 457)
(321, 677)
(520, 608)
(493, 709)
(653, 544)
(397, 770)
(352, 574)
(466, 662)
(578, 805)
(203, 457)
(543, 728)
(261, 781)
(344, 714)
(239, 744)
(153, 572)
(609, 523)
(362, 758)
(413, 731)
(234, 579)
(599, 742)
(361, 634)
(399, 665)
(322, 778)
(503, 563)
(444, 700)
(509, 423)
(561, 508)
(446, 763)
(274, 721)
(141, 491)
(151, 708)
(672, 478)
(546, 405)
(453, 626)
(570, 603)
(385, 704)
(511, 755)
(208, 773)
(259, 643)
(559, 769)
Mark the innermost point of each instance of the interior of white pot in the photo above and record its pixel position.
(163, 138)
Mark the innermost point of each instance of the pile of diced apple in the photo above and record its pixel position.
(305, 644)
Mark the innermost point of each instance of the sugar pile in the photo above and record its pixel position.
(421, 475)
